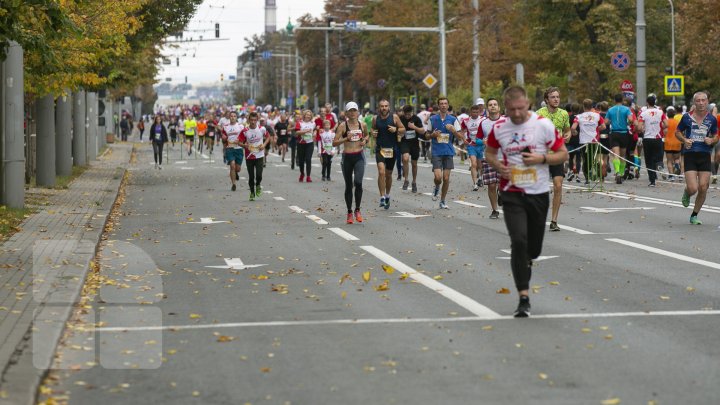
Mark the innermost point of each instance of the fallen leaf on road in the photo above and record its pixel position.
(345, 276)
(366, 276)
(542, 376)
(224, 339)
(554, 283)
(438, 277)
(690, 289)
(384, 286)
(265, 369)
(664, 297)
(611, 401)
(343, 295)
(281, 258)
(195, 316)
(503, 291)
(487, 327)
(404, 276)
(585, 330)
(388, 269)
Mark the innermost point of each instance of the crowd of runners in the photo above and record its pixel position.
(515, 154)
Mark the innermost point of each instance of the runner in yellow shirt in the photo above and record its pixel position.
(190, 131)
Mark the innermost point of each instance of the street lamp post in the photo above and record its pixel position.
(476, 52)
(443, 74)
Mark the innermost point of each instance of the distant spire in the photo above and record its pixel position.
(270, 16)
(289, 27)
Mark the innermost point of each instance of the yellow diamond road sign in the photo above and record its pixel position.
(429, 81)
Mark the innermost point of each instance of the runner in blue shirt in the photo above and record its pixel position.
(619, 116)
(698, 132)
(444, 128)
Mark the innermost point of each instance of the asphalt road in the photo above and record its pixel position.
(626, 298)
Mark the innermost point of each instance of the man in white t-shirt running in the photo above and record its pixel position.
(525, 140)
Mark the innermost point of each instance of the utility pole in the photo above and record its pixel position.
(297, 76)
(641, 74)
(45, 145)
(13, 148)
(443, 73)
(476, 51)
(327, 65)
(340, 80)
(92, 120)
(79, 133)
(63, 130)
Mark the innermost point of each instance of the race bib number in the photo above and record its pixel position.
(255, 148)
(603, 136)
(410, 134)
(387, 153)
(522, 175)
(211, 134)
(355, 136)
(158, 136)
(283, 132)
(307, 137)
(699, 132)
(443, 138)
(327, 146)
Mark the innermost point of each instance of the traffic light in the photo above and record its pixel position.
(177, 61)
(252, 55)
(217, 30)
(222, 77)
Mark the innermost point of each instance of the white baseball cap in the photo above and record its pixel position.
(351, 106)
(480, 101)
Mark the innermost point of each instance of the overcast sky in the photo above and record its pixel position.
(238, 19)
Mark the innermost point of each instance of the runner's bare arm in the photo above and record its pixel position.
(399, 124)
(340, 134)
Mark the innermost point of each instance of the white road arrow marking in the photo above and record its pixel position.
(402, 214)
(539, 258)
(236, 264)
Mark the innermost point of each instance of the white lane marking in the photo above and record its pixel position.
(207, 221)
(469, 204)
(180, 162)
(368, 178)
(316, 165)
(402, 214)
(430, 194)
(235, 264)
(273, 154)
(281, 165)
(205, 156)
(268, 192)
(279, 198)
(341, 233)
(187, 168)
(331, 322)
(651, 200)
(571, 229)
(463, 171)
(316, 219)
(596, 210)
(297, 209)
(447, 292)
(666, 253)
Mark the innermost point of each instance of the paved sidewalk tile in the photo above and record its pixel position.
(43, 267)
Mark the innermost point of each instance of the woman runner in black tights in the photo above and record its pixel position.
(353, 135)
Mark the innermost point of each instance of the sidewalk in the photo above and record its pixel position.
(51, 254)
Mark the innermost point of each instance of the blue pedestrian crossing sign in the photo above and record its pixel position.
(674, 85)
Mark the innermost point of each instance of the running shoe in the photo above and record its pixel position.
(258, 191)
(387, 202)
(308, 179)
(405, 185)
(414, 188)
(349, 218)
(571, 176)
(476, 188)
(523, 309)
(323, 178)
(494, 215)
(436, 193)
(302, 177)
(651, 184)
(480, 182)
(554, 226)
(444, 206)
(358, 216)
(618, 179)
(233, 188)
(694, 220)
(685, 199)
(382, 202)
(252, 196)
(714, 180)
(577, 179)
